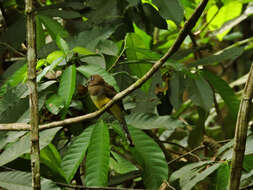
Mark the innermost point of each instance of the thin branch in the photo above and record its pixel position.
(93, 188)
(121, 53)
(12, 48)
(33, 96)
(182, 35)
(241, 133)
(186, 154)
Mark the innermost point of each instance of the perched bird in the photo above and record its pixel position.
(101, 93)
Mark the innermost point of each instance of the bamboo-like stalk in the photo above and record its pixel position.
(33, 97)
(241, 133)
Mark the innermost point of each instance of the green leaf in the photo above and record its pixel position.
(223, 16)
(152, 121)
(55, 104)
(52, 159)
(170, 10)
(108, 47)
(200, 92)
(90, 39)
(91, 69)
(23, 146)
(153, 16)
(151, 158)
(65, 14)
(191, 174)
(62, 44)
(82, 51)
(40, 34)
(67, 85)
(200, 176)
(120, 164)
(177, 89)
(230, 53)
(97, 161)
(55, 55)
(226, 92)
(134, 41)
(196, 134)
(53, 27)
(17, 180)
(186, 173)
(75, 153)
(222, 176)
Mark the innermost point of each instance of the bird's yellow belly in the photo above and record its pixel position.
(114, 109)
(99, 101)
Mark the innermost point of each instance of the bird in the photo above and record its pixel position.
(101, 93)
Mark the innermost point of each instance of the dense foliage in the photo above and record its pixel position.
(181, 120)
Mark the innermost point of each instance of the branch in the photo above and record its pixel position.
(182, 35)
(33, 96)
(93, 188)
(241, 133)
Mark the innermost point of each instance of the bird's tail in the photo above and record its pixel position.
(125, 128)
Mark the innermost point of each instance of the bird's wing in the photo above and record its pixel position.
(111, 92)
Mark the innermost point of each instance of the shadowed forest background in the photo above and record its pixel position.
(182, 120)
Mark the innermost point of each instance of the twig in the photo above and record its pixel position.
(93, 188)
(182, 35)
(187, 153)
(121, 53)
(12, 48)
(33, 96)
(241, 133)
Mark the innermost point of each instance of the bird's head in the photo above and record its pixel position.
(95, 80)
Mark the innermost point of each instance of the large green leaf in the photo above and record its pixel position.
(75, 153)
(222, 176)
(23, 146)
(17, 180)
(225, 54)
(191, 174)
(90, 39)
(97, 161)
(170, 10)
(200, 92)
(134, 41)
(67, 85)
(177, 89)
(12, 106)
(149, 155)
(55, 104)
(153, 16)
(91, 69)
(62, 44)
(53, 27)
(153, 121)
(120, 164)
(226, 92)
(201, 176)
(224, 15)
(40, 34)
(52, 158)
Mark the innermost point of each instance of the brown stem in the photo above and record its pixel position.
(241, 133)
(182, 35)
(33, 97)
(93, 188)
